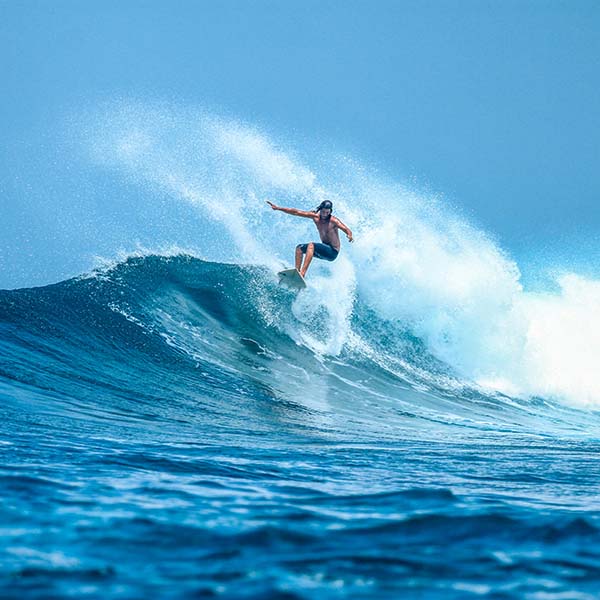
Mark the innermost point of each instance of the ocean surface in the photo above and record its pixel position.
(421, 422)
(175, 428)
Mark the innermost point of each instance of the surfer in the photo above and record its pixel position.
(327, 225)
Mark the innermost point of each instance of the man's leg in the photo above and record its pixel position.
(298, 257)
(310, 250)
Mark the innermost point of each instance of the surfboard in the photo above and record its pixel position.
(292, 279)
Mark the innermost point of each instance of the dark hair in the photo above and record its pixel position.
(325, 204)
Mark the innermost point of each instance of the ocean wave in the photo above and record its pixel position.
(152, 339)
(417, 264)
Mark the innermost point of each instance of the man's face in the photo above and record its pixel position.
(324, 213)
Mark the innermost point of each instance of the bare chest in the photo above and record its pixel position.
(328, 232)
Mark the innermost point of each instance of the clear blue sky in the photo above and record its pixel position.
(496, 105)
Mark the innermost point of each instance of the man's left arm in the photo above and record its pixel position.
(345, 229)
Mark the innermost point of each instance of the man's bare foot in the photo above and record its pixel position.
(302, 274)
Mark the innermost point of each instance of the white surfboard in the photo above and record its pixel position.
(292, 279)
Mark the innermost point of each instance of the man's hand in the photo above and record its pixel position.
(350, 238)
(273, 206)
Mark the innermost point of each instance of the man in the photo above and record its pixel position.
(327, 226)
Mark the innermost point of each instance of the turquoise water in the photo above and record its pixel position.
(179, 428)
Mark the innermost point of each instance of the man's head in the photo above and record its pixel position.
(325, 209)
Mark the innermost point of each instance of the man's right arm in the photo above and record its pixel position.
(292, 211)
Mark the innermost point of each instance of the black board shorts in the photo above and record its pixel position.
(323, 251)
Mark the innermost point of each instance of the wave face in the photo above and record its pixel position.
(175, 427)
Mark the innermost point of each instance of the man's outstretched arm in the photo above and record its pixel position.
(292, 211)
(345, 229)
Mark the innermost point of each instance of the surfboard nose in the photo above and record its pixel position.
(291, 278)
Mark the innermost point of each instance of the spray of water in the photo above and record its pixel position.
(415, 262)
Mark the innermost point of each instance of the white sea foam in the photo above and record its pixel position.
(415, 261)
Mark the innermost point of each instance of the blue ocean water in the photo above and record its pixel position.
(417, 423)
(175, 427)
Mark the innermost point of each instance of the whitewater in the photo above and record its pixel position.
(416, 262)
(416, 423)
